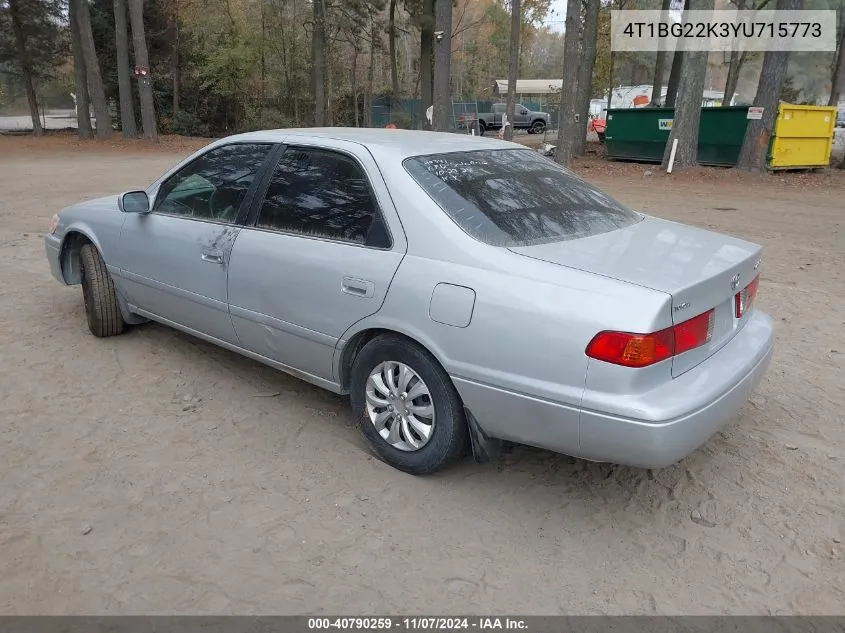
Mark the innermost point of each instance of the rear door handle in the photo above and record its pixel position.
(212, 256)
(358, 287)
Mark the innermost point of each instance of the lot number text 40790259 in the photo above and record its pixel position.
(416, 623)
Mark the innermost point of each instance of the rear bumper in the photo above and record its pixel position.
(52, 247)
(719, 386)
(682, 414)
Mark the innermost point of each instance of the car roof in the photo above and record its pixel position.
(389, 143)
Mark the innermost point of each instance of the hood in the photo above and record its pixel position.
(106, 203)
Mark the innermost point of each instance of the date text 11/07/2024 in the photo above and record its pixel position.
(417, 623)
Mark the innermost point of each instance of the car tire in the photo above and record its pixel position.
(538, 127)
(98, 293)
(449, 437)
(481, 128)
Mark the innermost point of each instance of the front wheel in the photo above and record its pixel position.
(408, 408)
(538, 127)
(101, 308)
(481, 128)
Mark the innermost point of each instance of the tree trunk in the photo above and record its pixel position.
(837, 85)
(585, 75)
(25, 64)
(354, 82)
(674, 76)
(610, 80)
(737, 60)
(755, 145)
(734, 69)
(391, 46)
(513, 66)
(569, 91)
(175, 67)
(442, 65)
(263, 60)
(368, 113)
(734, 65)
(145, 86)
(318, 63)
(688, 103)
(83, 104)
(660, 62)
(677, 65)
(92, 69)
(329, 84)
(124, 84)
(294, 70)
(427, 56)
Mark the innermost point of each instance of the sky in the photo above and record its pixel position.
(557, 14)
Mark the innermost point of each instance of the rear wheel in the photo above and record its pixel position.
(408, 409)
(101, 307)
(481, 128)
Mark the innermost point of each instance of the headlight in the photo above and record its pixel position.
(54, 223)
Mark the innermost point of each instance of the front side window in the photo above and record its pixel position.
(516, 197)
(213, 186)
(324, 194)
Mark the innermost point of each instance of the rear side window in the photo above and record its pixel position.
(324, 194)
(516, 197)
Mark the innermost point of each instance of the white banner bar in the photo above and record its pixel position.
(723, 30)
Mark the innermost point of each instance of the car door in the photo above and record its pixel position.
(520, 115)
(174, 260)
(320, 256)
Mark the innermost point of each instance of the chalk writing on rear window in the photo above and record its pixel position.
(516, 197)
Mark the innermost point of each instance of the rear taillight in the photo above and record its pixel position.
(639, 350)
(744, 299)
(695, 332)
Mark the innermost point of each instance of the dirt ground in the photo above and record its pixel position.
(153, 473)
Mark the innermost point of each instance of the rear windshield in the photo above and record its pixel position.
(516, 197)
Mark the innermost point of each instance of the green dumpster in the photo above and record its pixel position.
(641, 134)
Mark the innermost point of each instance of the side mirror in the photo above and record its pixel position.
(134, 202)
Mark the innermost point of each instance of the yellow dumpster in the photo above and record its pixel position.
(803, 136)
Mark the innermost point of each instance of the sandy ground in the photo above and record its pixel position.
(152, 473)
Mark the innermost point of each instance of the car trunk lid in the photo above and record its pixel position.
(701, 270)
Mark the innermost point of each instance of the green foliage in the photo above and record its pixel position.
(402, 120)
(46, 38)
(227, 66)
(267, 119)
(500, 38)
(188, 124)
(790, 94)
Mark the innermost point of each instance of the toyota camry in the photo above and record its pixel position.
(462, 291)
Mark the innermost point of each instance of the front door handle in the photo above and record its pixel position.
(358, 287)
(212, 256)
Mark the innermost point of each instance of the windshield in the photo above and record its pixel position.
(516, 197)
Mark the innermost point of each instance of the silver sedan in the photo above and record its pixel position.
(463, 291)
